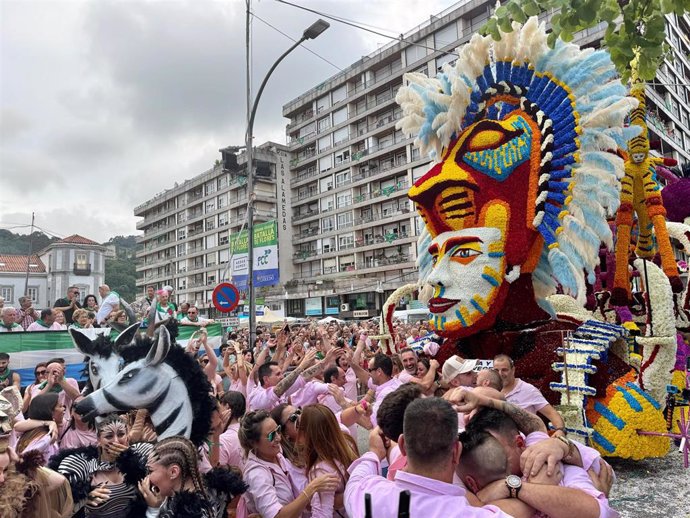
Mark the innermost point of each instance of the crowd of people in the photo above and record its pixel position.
(288, 433)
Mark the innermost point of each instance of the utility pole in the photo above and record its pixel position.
(28, 257)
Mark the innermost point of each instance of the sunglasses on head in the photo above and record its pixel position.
(272, 435)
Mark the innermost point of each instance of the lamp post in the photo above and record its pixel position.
(313, 31)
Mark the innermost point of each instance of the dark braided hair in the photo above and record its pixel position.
(250, 429)
(181, 451)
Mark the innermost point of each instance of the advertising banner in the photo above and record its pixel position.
(266, 270)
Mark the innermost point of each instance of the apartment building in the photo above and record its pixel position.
(354, 230)
(187, 228)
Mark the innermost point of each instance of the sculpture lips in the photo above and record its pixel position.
(439, 305)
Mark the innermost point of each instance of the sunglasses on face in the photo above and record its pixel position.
(204, 362)
(272, 435)
(294, 417)
(41, 373)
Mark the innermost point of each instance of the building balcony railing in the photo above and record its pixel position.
(81, 269)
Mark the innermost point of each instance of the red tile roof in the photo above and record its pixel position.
(77, 240)
(17, 264)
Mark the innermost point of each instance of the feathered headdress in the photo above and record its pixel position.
(579, 106)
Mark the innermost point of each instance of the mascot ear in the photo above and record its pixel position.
(126, 337)
(81, 342)
(160, 350)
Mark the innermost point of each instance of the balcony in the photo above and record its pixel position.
(82, 269)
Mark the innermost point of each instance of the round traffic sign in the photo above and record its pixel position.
(225, 297)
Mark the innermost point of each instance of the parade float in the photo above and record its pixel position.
(531, 144)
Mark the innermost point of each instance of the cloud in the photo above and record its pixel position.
(106, 103)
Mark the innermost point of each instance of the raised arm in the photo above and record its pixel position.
(290, 378)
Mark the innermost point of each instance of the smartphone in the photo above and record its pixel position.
(286, 329)
(233, 358)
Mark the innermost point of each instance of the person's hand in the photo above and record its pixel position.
(98, 496)
(377, 443)
(333, 353)
(337, 394)
(152, 499)
(308, 359)
(237, 347)
(433, 364)
(115, 449)
(603, 481)
(53, 430)
(223, 420)
(549, 452)
(149, 435)
(322, 483)
(464, 400)
(496, 490)
(547, 479)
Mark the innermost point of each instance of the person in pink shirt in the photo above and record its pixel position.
(350, 386)
(42, 426)
(309, 394)
(271, 489)
(335, 377)
(67, 389)
(231, 453)
(525, 395)
(430, 443)
(494, 444)
(409, 373)
(326, 451)
(46, 322)
(78, 434)
(380, 378)
(460, 372)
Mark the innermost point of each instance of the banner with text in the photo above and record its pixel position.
(266, 271)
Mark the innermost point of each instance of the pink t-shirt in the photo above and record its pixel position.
(429, 497)
(322, 504)
(265, 398)
(308, 395)
(526, 396)
(381, 392)
(231, 452)
(405, 377)
(63, 398)
(78, 439)
(270, 486)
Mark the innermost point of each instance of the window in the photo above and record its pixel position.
(222, 181)
(210, 187)
(324, 143)
(344, 200)
(222, 201)
(442, 60)
(345, 242)
(327, 225)
(33, 294)
(324, 124)
(325, 163)
(224, 255)
(339, 94)
(446, 36)
(181, 234)
(322, 104)
(345, 220)
(414, 53)
(342, 156)
(7, 293)
(341, 178)
(210, 206)
(81, 260)
(222, 219)
(340, 135)
(339, 116)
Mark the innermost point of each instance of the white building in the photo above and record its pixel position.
(73, 261)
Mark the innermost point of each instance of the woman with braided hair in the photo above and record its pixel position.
(175, 488)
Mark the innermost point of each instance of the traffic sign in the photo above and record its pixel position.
(225, 297)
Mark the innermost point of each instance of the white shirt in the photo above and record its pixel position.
(109, 304)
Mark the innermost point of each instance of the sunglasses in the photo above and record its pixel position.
(204, 362)
(41, 373)
(272, 435)
(374, 369)
(294, 417)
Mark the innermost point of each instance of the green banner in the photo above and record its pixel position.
(265, 234)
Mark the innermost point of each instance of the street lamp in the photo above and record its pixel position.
(313, 31)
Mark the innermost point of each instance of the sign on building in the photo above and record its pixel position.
(266, 270)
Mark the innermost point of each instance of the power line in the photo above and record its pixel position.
(361, 27)
(293, 39)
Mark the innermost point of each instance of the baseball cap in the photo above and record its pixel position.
(456, 365)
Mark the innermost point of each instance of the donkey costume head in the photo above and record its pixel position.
(167, 382)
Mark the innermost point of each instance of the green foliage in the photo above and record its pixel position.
(631, 24)
(121, 276)
(18, 244)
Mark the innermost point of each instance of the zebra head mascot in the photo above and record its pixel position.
(165, 381)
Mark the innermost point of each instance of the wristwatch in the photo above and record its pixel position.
(514, 484)
(570, 445)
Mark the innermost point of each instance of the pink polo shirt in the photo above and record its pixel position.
(322, 504)
(526, 396)
(429, 497)
(309, 393)
(231, 452)
(350, 384)
(575, 477)
(265, 398)
(270, 486)
(381, 392)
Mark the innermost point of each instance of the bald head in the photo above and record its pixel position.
(483, 460)
(103, 290)
(9, 315)
(489, 378)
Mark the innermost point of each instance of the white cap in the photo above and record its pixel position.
(169, 289)
(455, 365)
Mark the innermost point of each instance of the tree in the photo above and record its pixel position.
(633, 27)
(121, 276)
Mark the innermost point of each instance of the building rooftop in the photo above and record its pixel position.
(17, 264)
(76, 239)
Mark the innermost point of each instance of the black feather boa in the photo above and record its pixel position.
(227, 481)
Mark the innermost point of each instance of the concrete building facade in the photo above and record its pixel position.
(355, 231)
(187, 228)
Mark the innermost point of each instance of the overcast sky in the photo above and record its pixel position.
(105, 103)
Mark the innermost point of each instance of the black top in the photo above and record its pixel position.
(61, 303)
